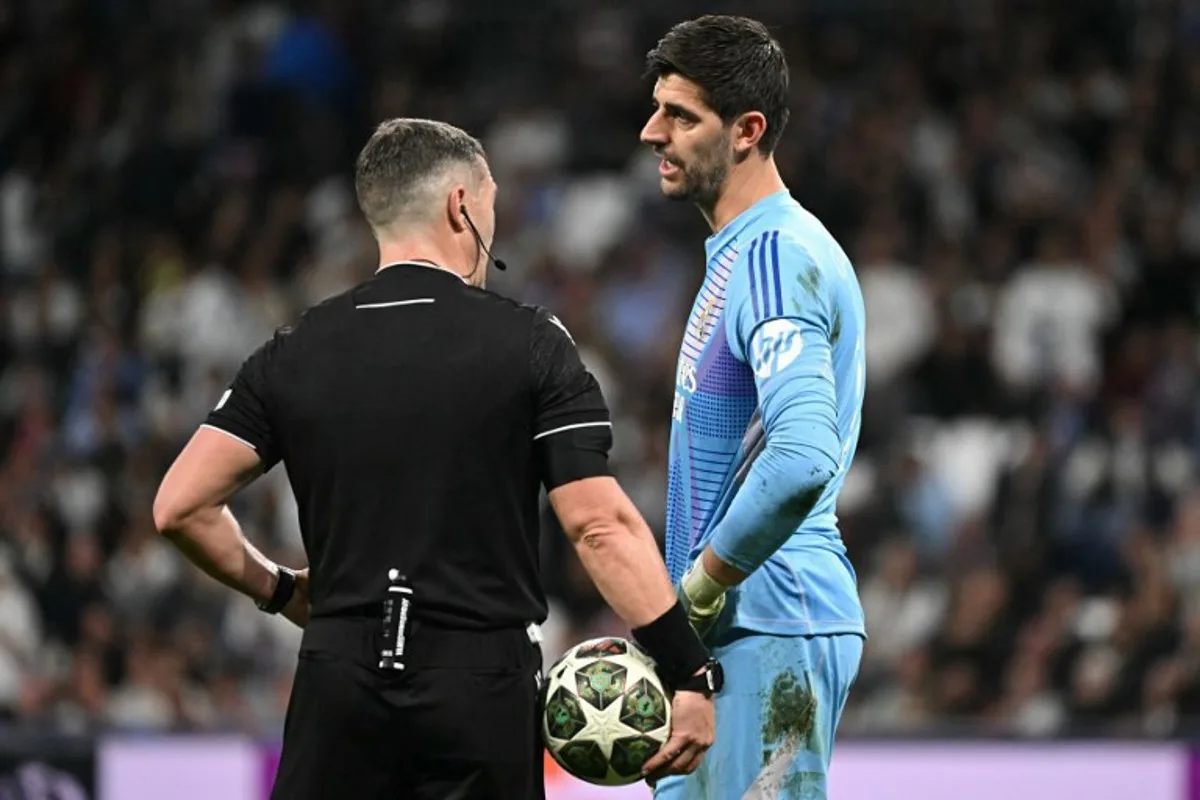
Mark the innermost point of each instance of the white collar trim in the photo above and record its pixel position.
(425, 264)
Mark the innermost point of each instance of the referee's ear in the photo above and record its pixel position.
(456, 203)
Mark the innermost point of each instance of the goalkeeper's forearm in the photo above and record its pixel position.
(780, 491)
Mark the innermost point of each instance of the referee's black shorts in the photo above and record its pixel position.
(460, 722)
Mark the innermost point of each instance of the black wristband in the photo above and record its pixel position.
(284, 588)
(673, 644)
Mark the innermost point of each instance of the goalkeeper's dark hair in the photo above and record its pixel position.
(402, 164)
(736, 62)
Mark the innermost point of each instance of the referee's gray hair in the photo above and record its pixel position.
(404, 162)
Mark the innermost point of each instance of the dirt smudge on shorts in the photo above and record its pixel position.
(804, 786)
(790, 714)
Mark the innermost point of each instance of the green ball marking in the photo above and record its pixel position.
(600, 683)
(643, 708)
(564, 717)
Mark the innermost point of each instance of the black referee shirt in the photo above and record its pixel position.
(416, 417)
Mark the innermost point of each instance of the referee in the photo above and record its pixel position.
(417, 416)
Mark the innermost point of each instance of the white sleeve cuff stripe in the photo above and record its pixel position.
(572, 427)
(230, 435)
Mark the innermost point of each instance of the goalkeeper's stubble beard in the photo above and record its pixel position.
(702, 176)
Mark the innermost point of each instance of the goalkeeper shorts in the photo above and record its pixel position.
(776, 719)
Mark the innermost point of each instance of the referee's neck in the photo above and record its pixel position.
(417, 249)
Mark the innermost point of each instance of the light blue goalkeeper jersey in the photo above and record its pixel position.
(767, 412)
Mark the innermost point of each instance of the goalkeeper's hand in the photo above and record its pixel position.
(703, 597)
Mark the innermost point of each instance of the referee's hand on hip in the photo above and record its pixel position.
(298, 607)
(693, 729)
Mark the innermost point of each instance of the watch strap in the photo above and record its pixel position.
(285, 587)
(709, 681)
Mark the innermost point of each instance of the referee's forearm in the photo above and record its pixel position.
(623, 560)
(212, 540)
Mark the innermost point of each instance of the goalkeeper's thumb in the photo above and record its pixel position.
(702, 594)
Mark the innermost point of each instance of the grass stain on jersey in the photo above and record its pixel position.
(797, 507)
(810, 281)
(790, 714)
(835, 332)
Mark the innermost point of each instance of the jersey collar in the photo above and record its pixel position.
(425, 264)
(722, 238)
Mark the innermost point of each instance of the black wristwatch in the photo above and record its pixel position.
(709, 681)
(284, 588)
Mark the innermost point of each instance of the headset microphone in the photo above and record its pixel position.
(500, 265)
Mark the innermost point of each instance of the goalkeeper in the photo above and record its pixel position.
(766, 418)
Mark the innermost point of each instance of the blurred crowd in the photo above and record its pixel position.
(1017, 182)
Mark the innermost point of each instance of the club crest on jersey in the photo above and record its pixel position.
(702, 321)
(775, 345)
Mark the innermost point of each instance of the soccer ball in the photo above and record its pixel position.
(604, 711)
